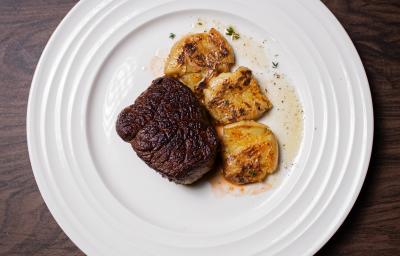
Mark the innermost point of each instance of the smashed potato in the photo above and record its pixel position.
(196, 58)
(250, 152)
(236, 96)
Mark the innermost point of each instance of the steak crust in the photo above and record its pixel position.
(170, 130)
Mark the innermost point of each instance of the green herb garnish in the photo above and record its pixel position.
(275, 64)
(230, 31)
(199, 23)
(253, 173)
(172, 35)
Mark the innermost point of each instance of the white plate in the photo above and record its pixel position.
(109, 202)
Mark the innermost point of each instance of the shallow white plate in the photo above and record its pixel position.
(110, 203)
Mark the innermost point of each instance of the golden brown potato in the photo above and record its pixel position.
(250, 152)
(236, 96)
(197, 57)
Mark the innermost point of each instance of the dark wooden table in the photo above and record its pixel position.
(27, 227)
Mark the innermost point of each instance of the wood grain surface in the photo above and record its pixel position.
(27, 227)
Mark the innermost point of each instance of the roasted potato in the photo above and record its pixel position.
(236, 96)
(250, 152)
(196, 58)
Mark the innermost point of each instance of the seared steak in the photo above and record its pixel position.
(170, 130)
